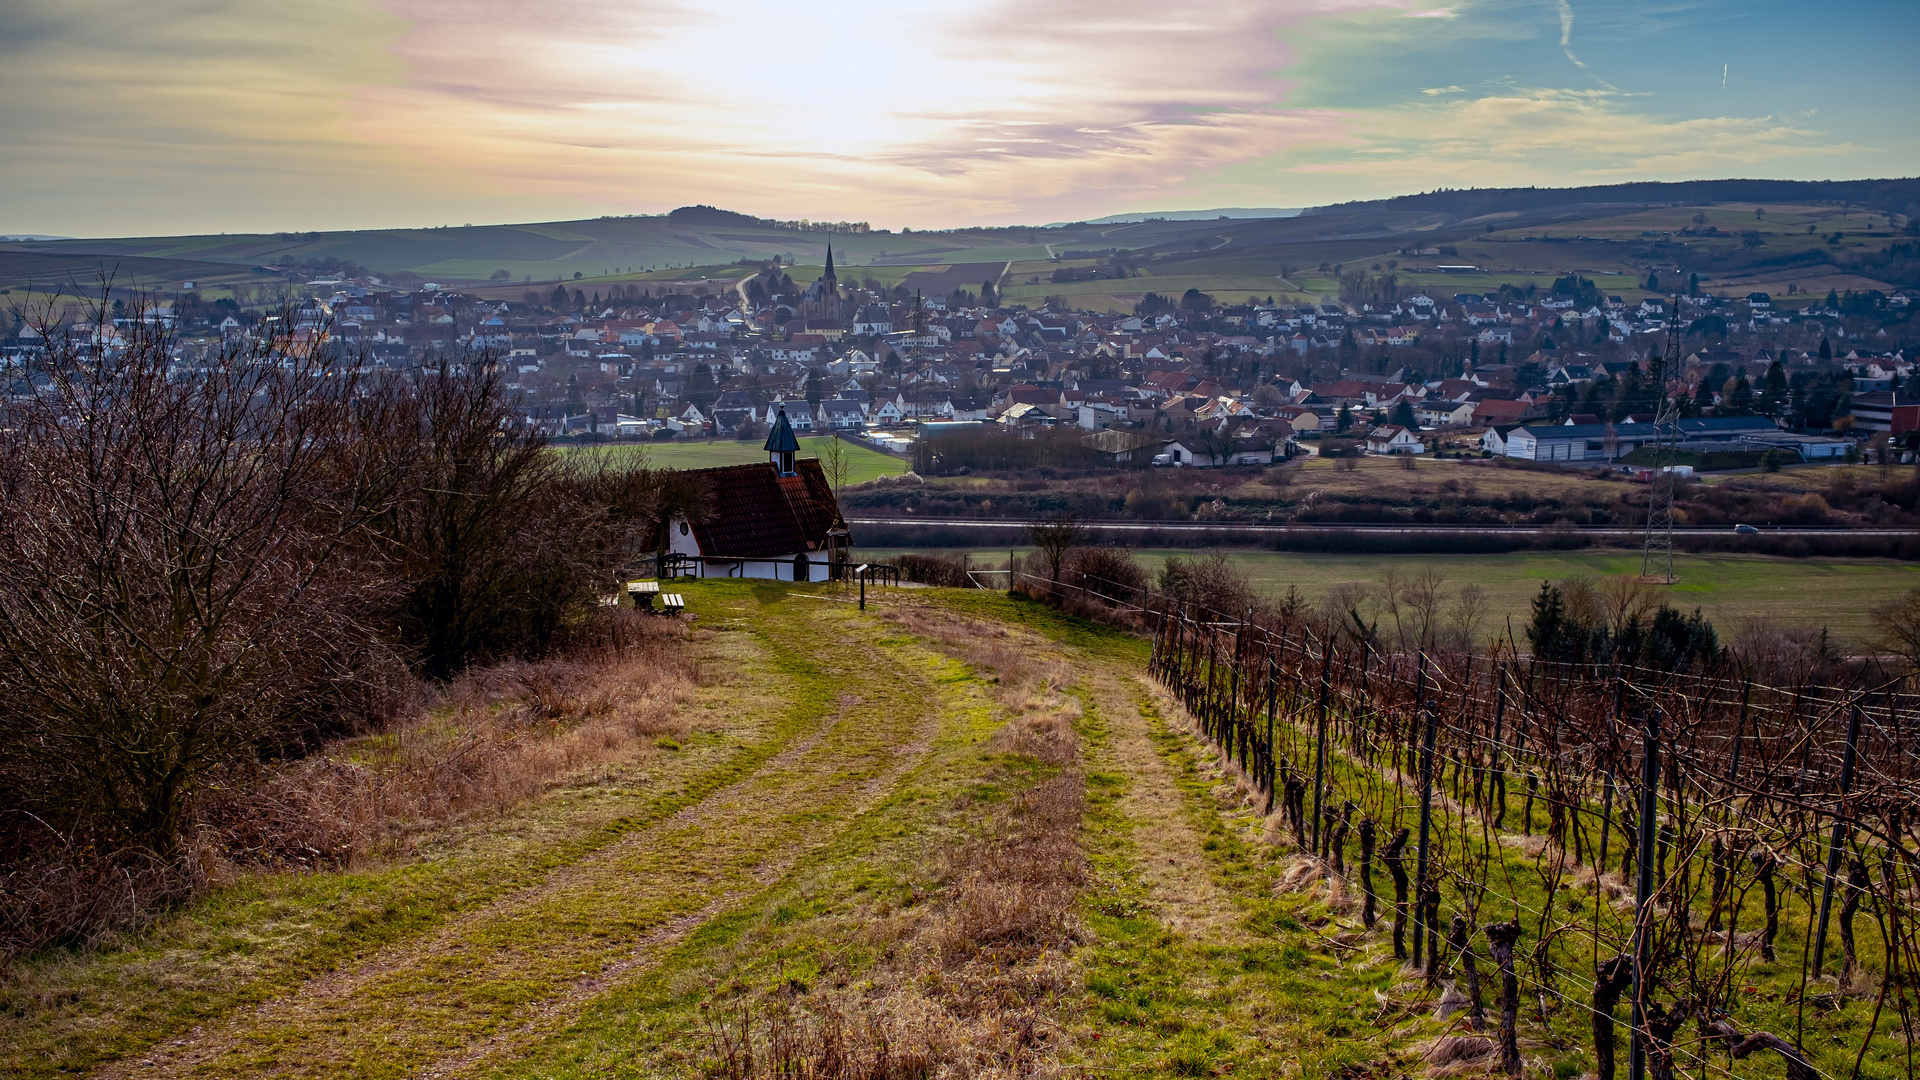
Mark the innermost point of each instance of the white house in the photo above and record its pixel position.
(775, 520)
(1444, 413)
(1393, 439)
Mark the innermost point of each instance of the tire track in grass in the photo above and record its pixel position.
(490, 974)
(1169, 856)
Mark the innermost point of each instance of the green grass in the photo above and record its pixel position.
(714, 453)
(1731, 590)
(266, 932)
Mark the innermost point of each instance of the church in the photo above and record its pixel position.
(777, 520)
(822, 298)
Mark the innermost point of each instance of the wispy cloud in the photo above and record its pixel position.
(987, 111)
(270, 114)
(1521, 136)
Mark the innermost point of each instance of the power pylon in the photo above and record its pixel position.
(1657, 554)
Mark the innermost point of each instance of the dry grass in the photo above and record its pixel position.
(494, 739)
(968, 974)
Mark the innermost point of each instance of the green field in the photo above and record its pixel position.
(709, 454)
(1734, 591)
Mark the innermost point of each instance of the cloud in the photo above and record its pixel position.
(958, 111)
(1436, 91)
(1558, 136)
(228, 115)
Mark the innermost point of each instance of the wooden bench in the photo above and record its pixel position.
(672, 603)
(643, 593)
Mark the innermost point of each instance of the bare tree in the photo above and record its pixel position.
(498, 543)
(1054, 537)
(1898, 622)
(835, 463)
(170, 592)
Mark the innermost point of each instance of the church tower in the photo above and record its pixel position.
(829, 289)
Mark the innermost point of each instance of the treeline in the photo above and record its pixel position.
(990, 448)
(202, 568)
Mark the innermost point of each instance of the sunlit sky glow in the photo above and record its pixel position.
(224, 115)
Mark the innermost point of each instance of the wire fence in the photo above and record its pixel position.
(1669, 832)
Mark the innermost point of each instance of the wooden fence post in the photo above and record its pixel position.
(1841, 820)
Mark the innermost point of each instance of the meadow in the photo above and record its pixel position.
(715, 453)
(1736, 592)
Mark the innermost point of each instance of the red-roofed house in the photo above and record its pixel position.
(774, 520)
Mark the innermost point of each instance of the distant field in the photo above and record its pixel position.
(1732, 591)
(710, 454)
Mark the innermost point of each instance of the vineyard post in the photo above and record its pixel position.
(1229, 735)
(1426, 823)
(1320, 734)
(1739, 734)
(1497, 782)
(1606, 821)
(1643, 892)
(1273, 694)
(1839, 838)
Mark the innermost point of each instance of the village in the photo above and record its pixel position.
(1563, 375)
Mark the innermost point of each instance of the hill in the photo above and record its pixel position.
(1614, 233)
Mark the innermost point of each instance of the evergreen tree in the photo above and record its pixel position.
(701, 389)
(1343, 420)
(1403, 415)
(1773, 396)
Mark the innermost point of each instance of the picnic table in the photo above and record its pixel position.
(643, 593)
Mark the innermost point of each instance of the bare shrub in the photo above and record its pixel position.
(1898, 625)
(1054, 538)
(1109, 571)
(209, 567)
(171, 596)
(934, 570)
(1208, 581)
(497, 542)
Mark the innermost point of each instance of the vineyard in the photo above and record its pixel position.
(1725, 868)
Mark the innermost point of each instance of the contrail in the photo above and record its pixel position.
(1723, 76)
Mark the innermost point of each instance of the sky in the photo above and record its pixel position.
(127, 117)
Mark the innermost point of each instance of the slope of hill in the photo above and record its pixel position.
(1620, 230)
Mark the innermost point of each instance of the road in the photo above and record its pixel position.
(1267, 528)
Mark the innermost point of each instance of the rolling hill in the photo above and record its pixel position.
(1616, 232)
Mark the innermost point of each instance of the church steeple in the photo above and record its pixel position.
(828, 276)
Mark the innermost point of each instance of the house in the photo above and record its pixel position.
(1489, 410)
(1394, 439)
(1302, 420)
(839, 414)
(1444, 413)
(775, 520)
(1250, 450)
(1118, 447)
(1494, 441)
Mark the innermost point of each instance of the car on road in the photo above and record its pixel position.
(1746, 530)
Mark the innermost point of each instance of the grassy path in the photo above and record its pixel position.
(492, 978)
(954, 825)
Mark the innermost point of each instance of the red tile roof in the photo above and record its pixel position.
(758, 514)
